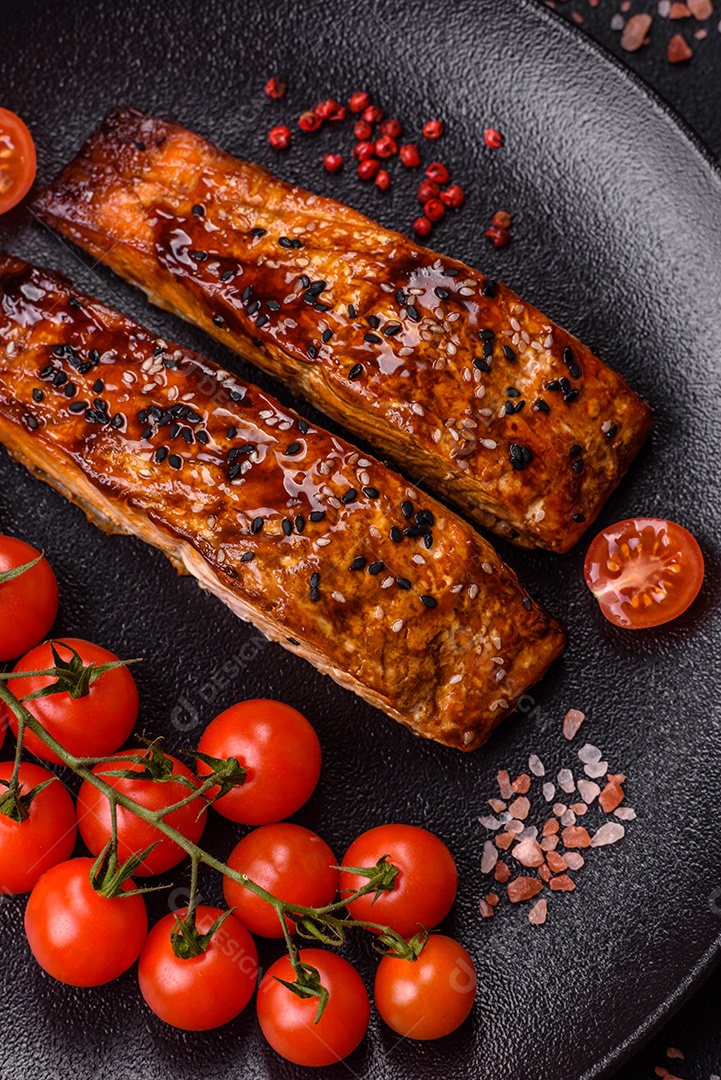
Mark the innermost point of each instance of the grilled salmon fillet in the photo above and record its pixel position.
(471, 389)
(328, 552)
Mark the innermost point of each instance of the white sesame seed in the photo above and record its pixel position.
(490, 444)
(453, 317)
(451, 349)
(335, 503)
(455, 680)
(465, 291)
(339, 597)
(375, 533)
(548, 341)
(323, 541)
(537, 346)
(418, 409)
(515, 325)
(473, 591)
(496, 642)
(364, 478)
(436, 436)
(386, 583)
(487, 568)
(397, 625)
(419, 560)
(467, 375)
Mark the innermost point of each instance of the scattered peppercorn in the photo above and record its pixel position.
(453, 196)
(493, 138)
(383, 180)
(280, 137)
(368, 169)
(332, 162)
(275, 89)
(359, 101)
(309, 121)
(437, 172)
(422, 226)
(428, 189)
(434, 210)
(409, 156)
(362, 130)
(433, 129)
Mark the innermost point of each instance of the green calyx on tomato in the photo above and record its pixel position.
(307, 984)
(186, 939)
(228, 772)
(72, 676)
(14, 803)
(381, 877)
(10, 575)
(108, 877)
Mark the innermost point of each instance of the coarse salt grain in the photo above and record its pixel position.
(608, 834)
(535, 764)
(589, 754)
(520, 808)
(572, 722)
(566, 781)
(559, 809)
(568, 817)
(634, 32)
(523, 888)
(515, 827)
(574, 860)
(489, 822)
(504, 784)
(538, 913)
(549, 792)
(485, 909)
(625, 813)
(588, 790)
(489, 857)
(596, 770)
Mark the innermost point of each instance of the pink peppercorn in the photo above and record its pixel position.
(493, 138)
(280, 137)
(410, 156)
(383, 180)
(275, 89)
(433, 129)
(434, 210)
(422, 226)
(359, 101)
(332, 162)
(386, 146)
(368, 169)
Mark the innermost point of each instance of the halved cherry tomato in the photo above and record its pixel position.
(280, 751)
(28, 603)
(424, 888)
(17, 160)
(134, 834)
(79, 936)
(45, 837)
(289, 861)
(203, 991)
(644, 571)
(428, 997)
(288, 1021)
(91, 726)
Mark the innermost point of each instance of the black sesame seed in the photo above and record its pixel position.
(564, 385)
(482, 365)
(355, 371)
(296, 243)
(515, 452)
(575, 450)
(187, 435)
(294, 448)
(174, 431)
(233, 471)
(246, 448)
(429, 601)
(371, 492)
(312, 351)
(292, 641)
(407, 509)
(413, 530)
(569, 359)
(117, 421)
(527, 455)
(395, 534)
(372, 339)
(441, 293)
(146, 433)
(79, 406)
(314, 580)
(451, 271)
(374, 322)
(255, 306)
(31, 422)
(256, 525)
(273, 305)
(358, 563)
(98, 386)
(59, 378)
(100, 405)
(231, 432)
(425, 517)
(528, 603)
(570, 396)
(143, 416)
(198, 210)
(46, 372)
(487, 350)
(93, 356)
(489, 289)
(520, 405)
(169, 363)
(258, 232)
(247, 556)
(392, 329)
(612, 431)
(403, 583)
(246, 294)
(316, 288)
(350, 496)
(287, 526)
(38, 395)
(304, 281)
(579, 518)
(262, 320)
(512, 392)
(509, 353)
(577, 466)
(428, 540)
(299, 523)
(316, 515)
(58, 350)
(302, 425)
(413, 313)
(401, 298)
(140, 145)
(326, 336)
(314, 594)
(199, 256)
(553, 385)
(73, 301)
(160, 454)
(285, 242)
(488, 335)
(376, 567)
(158, 350)
(352, 312)
(541, 405)
(321, 307)
(175, 461)
(232, 454)
(510, 408)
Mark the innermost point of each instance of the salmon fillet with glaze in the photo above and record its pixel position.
(414, 351)
(327, 551)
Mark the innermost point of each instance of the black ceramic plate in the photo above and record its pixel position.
(617, 235)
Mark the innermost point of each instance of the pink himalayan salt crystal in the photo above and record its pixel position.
(529, 833)
(579, 808)
(566, 781)
(700, 9)
(625, 813)
(549, 843)
(489, 822)
(618, 22)
(634, 32)
(596, 770)
(536, 766)
(489, 857)
(568, 818)
(574, 859)
(608, 834)
(523, 888)
(678, 50)
(485, 909)
(588, 790)
(515, 827)
(559, 809)
(520, 808)
(528, 853)
(572, 722)
(664, 8)
(672, 1052)
(504, 784)
(549, 792)
(538, 913)
(497, 805)
(589, 753)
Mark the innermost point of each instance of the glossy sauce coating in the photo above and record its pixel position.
(328, 551)
(451, 374)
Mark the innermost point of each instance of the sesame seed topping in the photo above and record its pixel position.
(528, 603)
(428, 601)
(371, 492)
(359, 563)
(413, 313)
(257, 525)
(376, 567)
(395, 534)
(355, 371)
(247, 556)
(577, 466)
(294, 448)
(541, 406)
(579, 518)
(372, 339)
(316, 515)
(350, 496)
(287, 526)
(403, 583)
(299, 522)
(174, 461)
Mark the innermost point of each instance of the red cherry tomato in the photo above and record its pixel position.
(78, 936)
(424, 889)
(429, 997)
(17, 160)
(134, 834)
(91, 726)
(28, 603)
(288, 1021)
(288, 861)
(644, 571)
(281, 752)
(47, 836)
(204, 991)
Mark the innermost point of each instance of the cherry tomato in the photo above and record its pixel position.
(204, 991)
(28, 603)
(78, 936)
(17, 160)
(281, 752)
(428, 997)
(47, 836)
(644, 571)
(424, 889)
(134, 834)
(91, 726)
(288, 1021)
(288, 861)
